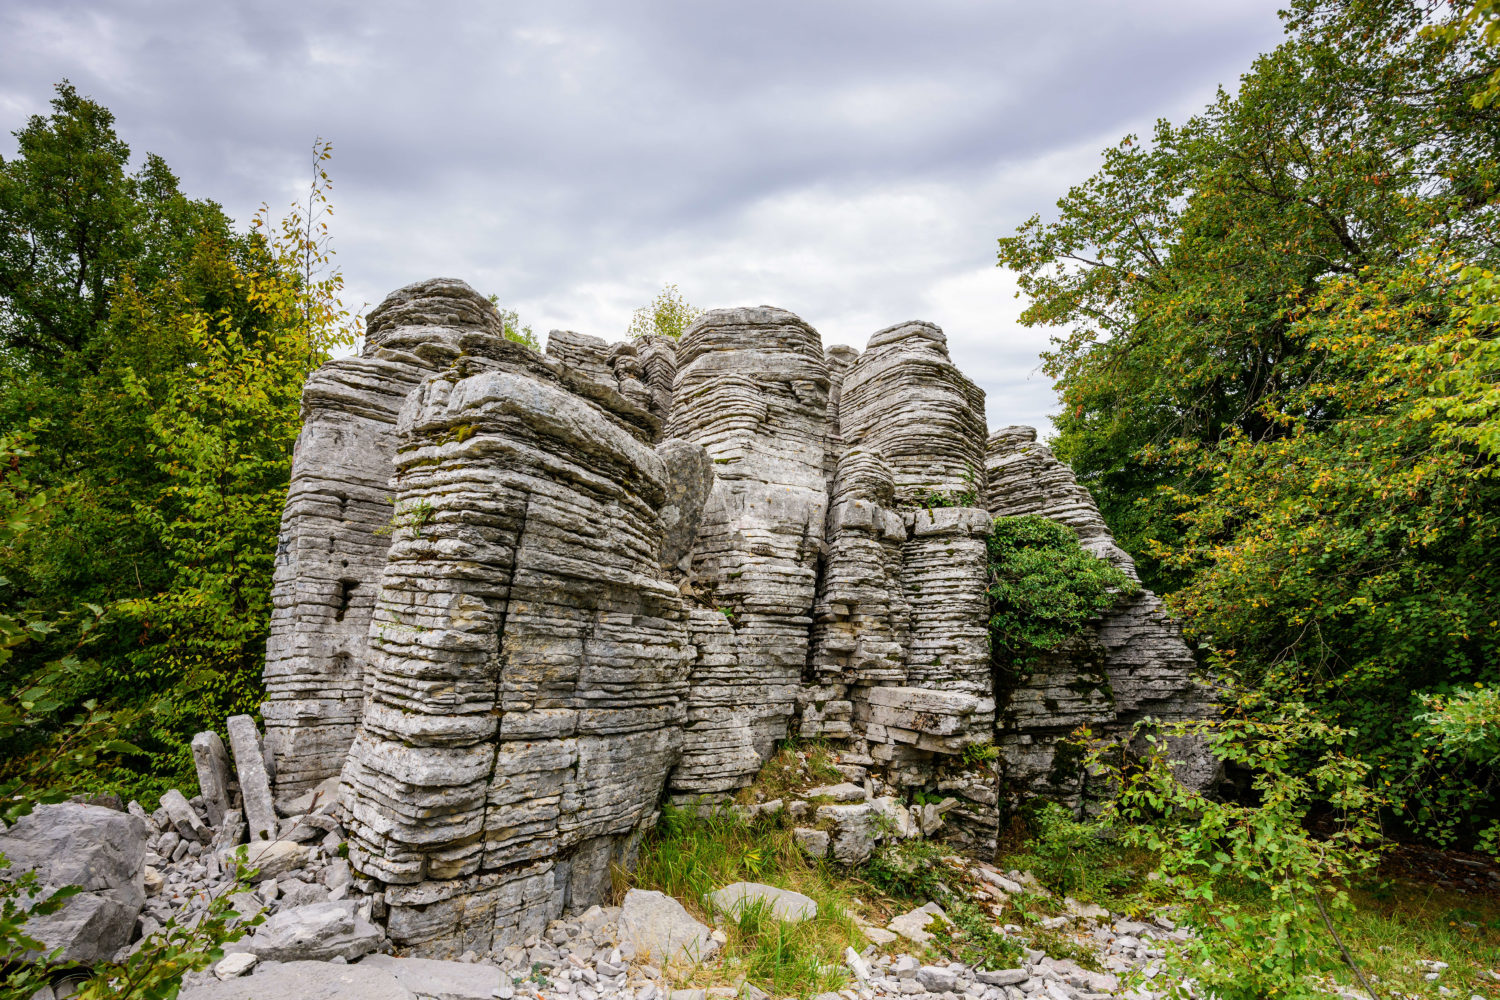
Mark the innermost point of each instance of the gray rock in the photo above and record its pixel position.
(1002, 977)
(211, 761)
(937, 979)
(813, 842)
(255, 785)
(783, 904)
(271, 859)
(317, 932)
(184, 817)
(656, 925)
(98, 849)
(913, 925)
(305, 981)
(442, 980)
(690, 478)
(235, 964)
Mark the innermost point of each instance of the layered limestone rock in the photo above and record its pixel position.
(752, 389)
(335, 527)
(528, 665)
(615, 574)
(1131, 663)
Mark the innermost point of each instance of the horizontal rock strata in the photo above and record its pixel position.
(615, 573)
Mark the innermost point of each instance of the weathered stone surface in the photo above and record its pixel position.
(183, 817)
(689, 479)
(752, 389)
(211, 761)
(271, 858)
(101, 851)
(655, 924)
(528, 658)
(915, 925)
(1131, 663)
(565, 615)
(336, 526)
(312, 933)
(306, 981)
(443, 980)
(255, 784)
(783, 904)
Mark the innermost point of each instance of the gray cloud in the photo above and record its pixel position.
(852, 161)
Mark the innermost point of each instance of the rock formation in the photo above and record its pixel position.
(615, 574)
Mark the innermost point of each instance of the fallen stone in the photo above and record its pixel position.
(305, 981)
(235, 964)
(783, 904)
(1002, 977)
(255, 784)
(271, 859)
(211, 761)
(318, 932)
(184, 817)
(655, 924)
(93, 847)
(913, 924)
(844, 792)
(442, 980)
(857, 965)
(878, 935)
(813, 842)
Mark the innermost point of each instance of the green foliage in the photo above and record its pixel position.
(23, 963)
(1268, 949)
(1278, 363)
(1074, 858)
(515, 330)
(981, 753)
(668, 315)
(150, 398)
(909, 870)
(1044, 588)
(795, 766)
(688, 856)
(155, 970)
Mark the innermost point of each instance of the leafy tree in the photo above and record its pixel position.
(668, 315)
(515, 330)
(1277, 364)
(1044, 588)
(153, 381)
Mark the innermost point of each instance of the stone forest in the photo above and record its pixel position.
(617, 575)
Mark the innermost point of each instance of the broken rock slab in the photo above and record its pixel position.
(914, 925)
(783, 904)
(183, 817)
(442, 980)
(306, 981)
(657, 925)
(98, 849)
(316, 932)
(211, 761)
(255, 784)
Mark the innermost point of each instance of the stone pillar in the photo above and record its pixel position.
(528, 658)
(752, 389)
(336, 525)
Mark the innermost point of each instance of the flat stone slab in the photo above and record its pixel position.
(913, 925)
(784, 904)
(444, 980)
(657, 925)
(306, 981)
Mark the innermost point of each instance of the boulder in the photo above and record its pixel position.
(813, 842)
(914, 924)
(316, 932)
(212, 763)
(98, 849)
(783, 904)
(655, 924)
(184, 818)
(442, 980)
(306, 981)
(255, 784)
(271, 859)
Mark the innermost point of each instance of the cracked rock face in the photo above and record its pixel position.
(614, 573)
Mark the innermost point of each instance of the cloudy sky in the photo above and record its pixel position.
(851, 161)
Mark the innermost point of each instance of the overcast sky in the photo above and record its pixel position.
(851, 161)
